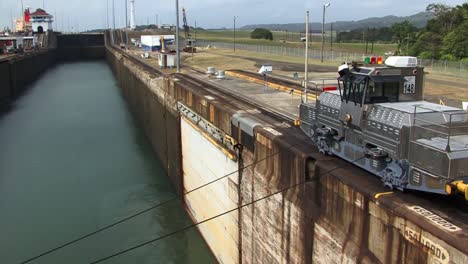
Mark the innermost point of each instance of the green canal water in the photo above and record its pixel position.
(72, 160)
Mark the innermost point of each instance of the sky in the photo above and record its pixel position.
(91, 14)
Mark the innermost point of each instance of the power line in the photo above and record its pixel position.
(148, 209)
(211, 218)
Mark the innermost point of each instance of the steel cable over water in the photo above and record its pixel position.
(214, 217)
(150, 208)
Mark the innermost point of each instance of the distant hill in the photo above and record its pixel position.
(419, 20)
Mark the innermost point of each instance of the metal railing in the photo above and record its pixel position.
(451, 67)
(316, 86)
(454, 124)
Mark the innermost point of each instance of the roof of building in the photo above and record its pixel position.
(40, 12)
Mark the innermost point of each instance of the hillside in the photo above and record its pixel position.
(419, 20)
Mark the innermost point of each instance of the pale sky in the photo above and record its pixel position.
(90, 14)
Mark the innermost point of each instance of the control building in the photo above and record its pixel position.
(41, 21)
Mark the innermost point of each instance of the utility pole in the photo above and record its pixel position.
(177, 35)
(107, 13)
(331, 36)
(234, 34)
(407, 45)
(323, 30)
(367, 40)
(195, 31)
(22, 9)
(157, 21)
(373, 40)
(113, 13)
(126, 12)
(11, 18)
(306, 64)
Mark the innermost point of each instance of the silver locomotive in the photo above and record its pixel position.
(378, 120)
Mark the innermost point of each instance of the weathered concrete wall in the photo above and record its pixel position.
(81, 47)
(330, 212)
(335, 217)
(5, 86)
(149, 99)
(152, 98)
(18, 71)
(204, 162)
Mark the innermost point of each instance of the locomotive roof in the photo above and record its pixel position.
(423, 107)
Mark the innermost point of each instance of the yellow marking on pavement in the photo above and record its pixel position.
(270, 84)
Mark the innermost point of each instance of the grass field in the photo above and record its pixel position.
(290, 39)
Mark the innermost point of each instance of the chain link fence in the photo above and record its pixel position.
(451, 67)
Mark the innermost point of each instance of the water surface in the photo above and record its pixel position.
(72, 160)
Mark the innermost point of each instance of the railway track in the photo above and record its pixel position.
(230, 96)
(271, 79)
(457, 205)
(275, 83)
(203, 85)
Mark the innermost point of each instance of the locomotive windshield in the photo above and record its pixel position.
(365, 89)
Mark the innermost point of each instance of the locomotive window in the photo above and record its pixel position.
(382, 92)
(354, 88)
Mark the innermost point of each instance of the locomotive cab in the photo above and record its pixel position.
(377, 119)
(363, 86)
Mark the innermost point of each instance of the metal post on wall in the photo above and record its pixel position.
(177, 35)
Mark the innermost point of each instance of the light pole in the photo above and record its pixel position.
(235, 34)
(177, 35)
(407, 44)
(323, 30)
(107, 13)
(126, 18)
(306, 71)
(113, 13)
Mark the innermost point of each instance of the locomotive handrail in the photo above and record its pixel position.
(317, 83)
(450, 126)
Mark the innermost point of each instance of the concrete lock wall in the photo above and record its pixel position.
(332, 211)
(147, 97)
(18, 71)
(5, 86)
(81, 47)
(199, 168)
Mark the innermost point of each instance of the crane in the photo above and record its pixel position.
(188, 37)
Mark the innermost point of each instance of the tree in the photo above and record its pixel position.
(427, 46)
(456, 42)
(445, 17)
(261, 33)
(446, 35)
(401, 31)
